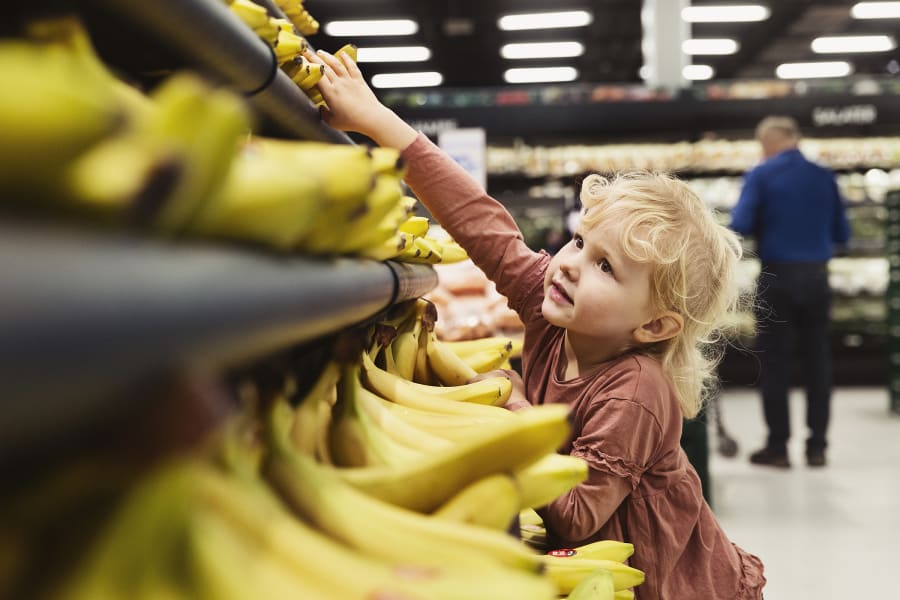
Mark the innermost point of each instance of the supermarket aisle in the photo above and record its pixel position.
(824, 534)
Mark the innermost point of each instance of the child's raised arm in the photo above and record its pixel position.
(352, 106)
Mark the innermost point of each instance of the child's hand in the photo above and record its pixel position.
(350, 100)
(353, 106)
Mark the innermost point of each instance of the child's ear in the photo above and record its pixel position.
(663, 327)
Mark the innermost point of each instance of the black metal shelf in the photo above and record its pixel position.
(86, 314)
(209, 38)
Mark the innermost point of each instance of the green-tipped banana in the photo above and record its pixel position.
(598, 585)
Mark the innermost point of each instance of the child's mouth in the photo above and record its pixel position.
(558, 294)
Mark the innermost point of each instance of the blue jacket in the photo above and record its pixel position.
(793, 208)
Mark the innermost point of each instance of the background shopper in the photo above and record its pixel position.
(793, 209)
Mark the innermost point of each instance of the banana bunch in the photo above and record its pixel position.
(487, 353)
(281, 34)
(193, 529)
(593, 570)
(299, 16)
(108, 150)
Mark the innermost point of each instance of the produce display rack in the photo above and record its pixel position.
(86, 314)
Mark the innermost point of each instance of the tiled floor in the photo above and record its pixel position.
(824, 534)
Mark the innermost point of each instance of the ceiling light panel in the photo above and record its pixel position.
(809, 70)
(697, 72)
(405, 80)
(876, 10)
(545, 20)
(709, 46)
(382, 27)
(841, 44)
(392, 54)
(732, 13)
(540, 74)
(542, 50)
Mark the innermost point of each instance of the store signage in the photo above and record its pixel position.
(468, 147)
(434, 127)
(855, 114)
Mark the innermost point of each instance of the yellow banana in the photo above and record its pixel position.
(528, 516)
(383, 198)
(603, 549)
(424, 250)
(534, 536)
(328, 569)
(566, 573)
(401, 352)
(251, 14)
(446, 364)
(396, 427)
(598, 585)
(507, 446)
(465, 348)
(289, 45)
(349, 50)
(440, 399)
(388, 225)
(492, 501)
(312, 421)
(388, 160)
(312, 77)
(623, 595)
(415, 226)
(343, 170)
(48, 119)
(452, 252)
(383, 530)
(191, 123)
(269, 33)
(262, 200)
(550, 477)
(388, 249)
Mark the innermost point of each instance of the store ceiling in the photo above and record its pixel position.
(465, 40)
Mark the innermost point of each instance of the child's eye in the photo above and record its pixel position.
(579, 241)
(604, 265)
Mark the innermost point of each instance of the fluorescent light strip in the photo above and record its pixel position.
(540, 74)
(393, 54)
(876, 10)
(545, 20)
(371, 27)
(697, 72)
(709, 46)
(402, 80)
(542, 50)
(735, 13)
(840, 44)
(808, 70)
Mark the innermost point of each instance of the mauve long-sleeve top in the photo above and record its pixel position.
(641, 487)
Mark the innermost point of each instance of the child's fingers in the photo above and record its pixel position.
(333, 62)
(350, 65)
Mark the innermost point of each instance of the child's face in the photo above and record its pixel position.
(596, 292)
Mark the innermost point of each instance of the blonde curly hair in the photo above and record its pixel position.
(662, 222)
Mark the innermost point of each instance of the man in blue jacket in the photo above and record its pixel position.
(793, 209)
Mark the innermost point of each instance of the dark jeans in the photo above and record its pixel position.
(794, 303)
